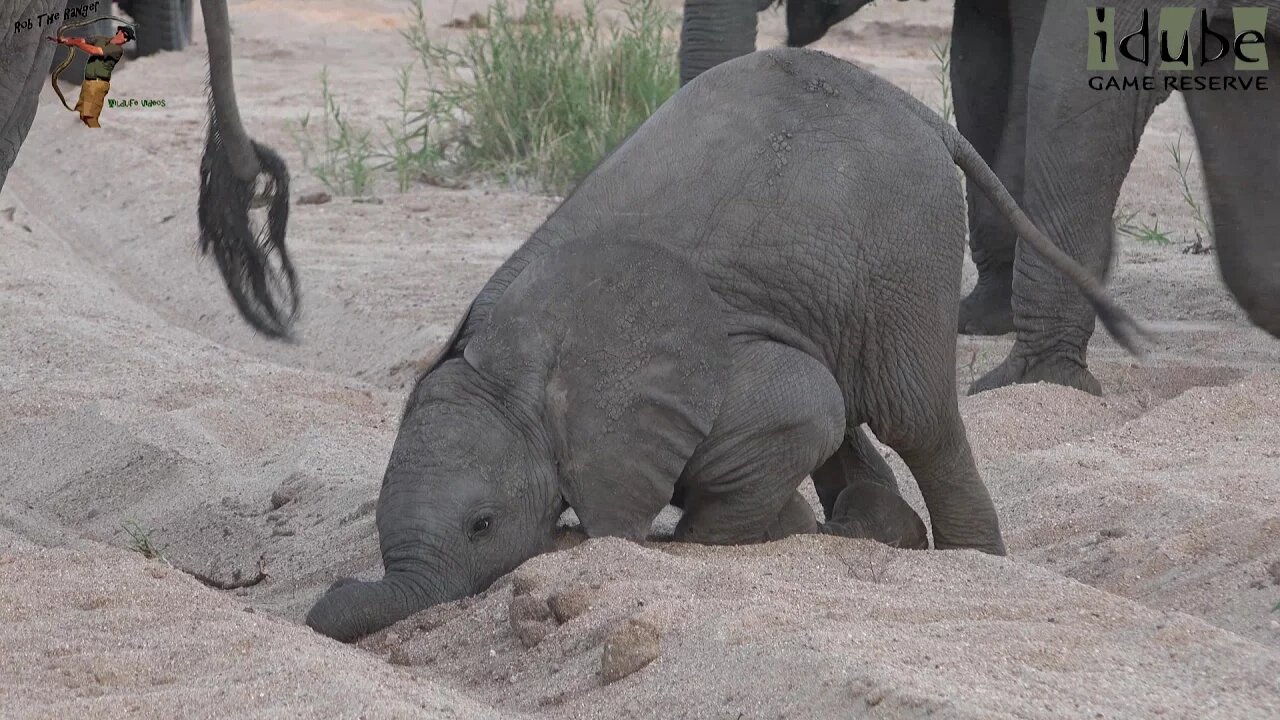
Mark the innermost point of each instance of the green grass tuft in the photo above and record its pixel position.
(1183, 169)
(1125, 225)
(942, 53)
(140, 540)
(342, 157)
(545, 97)
(411, 153)
(539, 98)
(1124, 220)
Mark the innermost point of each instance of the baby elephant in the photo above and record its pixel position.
(770, 261)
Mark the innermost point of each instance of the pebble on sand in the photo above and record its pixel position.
(628, 649)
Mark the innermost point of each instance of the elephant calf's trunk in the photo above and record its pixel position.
(352, 610)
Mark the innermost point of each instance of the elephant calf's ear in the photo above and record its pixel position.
(642, 363)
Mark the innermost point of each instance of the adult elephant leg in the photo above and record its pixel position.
(1239, 139)
(782, 416)
(981, 73)
(991, 49)
(809, 20)
(714, 31)
(1080, 144)
(25, 57)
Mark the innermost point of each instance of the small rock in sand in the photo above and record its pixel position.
(315, 198)
(528, 607)
(398, 656)
(571, 603)
(281, 497)
(530, 619)
(530, 632)
(628, 649)
(525, 582)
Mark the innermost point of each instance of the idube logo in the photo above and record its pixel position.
(1241, 52)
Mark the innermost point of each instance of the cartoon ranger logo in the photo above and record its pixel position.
(104, 52)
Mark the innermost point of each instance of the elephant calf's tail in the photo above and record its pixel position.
(1115, 319)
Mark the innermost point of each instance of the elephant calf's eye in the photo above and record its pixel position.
(480, 526)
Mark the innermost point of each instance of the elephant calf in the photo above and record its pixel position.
(770, 261)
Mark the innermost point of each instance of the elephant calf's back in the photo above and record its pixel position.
(789, 176)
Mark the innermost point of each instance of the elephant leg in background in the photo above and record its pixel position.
(782, 416)
(1080, 144)
(857, 461)
(25, 57)
(715, 31)
(860, 496)
(992, 42)
(1239, 141)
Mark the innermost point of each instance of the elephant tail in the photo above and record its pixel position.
(237, 175)
(1115, 319)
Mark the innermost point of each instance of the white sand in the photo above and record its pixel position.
(1143, 527)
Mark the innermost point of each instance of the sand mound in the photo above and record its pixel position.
(821, 627)
(92, 632)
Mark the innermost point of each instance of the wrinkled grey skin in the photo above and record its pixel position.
(24, 68)
(1063, 150)
(709, 318)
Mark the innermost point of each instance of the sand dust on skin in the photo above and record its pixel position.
(1143, 527)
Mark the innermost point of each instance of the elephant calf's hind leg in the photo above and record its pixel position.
(856, 462)
(782, 417)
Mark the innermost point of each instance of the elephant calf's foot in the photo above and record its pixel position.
(988, 309)
(867, 510)
(1022, 367)
(796, 518)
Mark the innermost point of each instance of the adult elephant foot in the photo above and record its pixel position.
(988, 309)
(1027, 367)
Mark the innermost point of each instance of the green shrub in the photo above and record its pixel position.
(342, 158)
(541, 97)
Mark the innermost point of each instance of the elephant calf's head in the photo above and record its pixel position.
(469, 494)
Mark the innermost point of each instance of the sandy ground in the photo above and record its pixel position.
(1143, 527)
